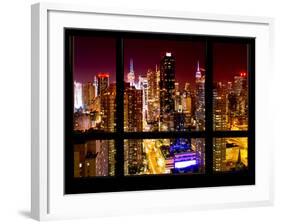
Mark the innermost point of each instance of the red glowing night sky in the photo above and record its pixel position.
(93, 55)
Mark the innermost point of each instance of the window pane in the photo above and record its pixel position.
(94, 158)
(230, 154)
(230, 90)
(164, 85)
(94, 79)
(164, 156)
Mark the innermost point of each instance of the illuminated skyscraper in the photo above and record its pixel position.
(241, 92)
(95, 84)
(78, 104)
(219, 107)
(219, 124)
(131, 74)
(200, 116)
(133, 149)
(200, 99)
(88, 95)
(186, 102)
(153, 94)
(108, 123)
(105, 161)
(240, 83)
(167, 92)
(143, 86)
(238, 103)
(231, 108)
(103, 82)
(178, 102)
(177, 98)
(177, 87)
(133, 102)
(219, 154)
(108, 108)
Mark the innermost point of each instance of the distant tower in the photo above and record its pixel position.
(78, 95)
(103, 82)
(131, 74)
(95, 84)
(167, 91)
(143, 86)
(200, 116)
(133, 122)
(153, 93)
(108, 124)
(199, 99)
(198, 73)
(240, 88)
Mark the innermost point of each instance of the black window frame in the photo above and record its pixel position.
(120, 182)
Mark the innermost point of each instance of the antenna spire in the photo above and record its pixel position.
(198, 72)
(131, 65)
(198, 66)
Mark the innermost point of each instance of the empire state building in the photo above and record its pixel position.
(200, 116)
(200, 99)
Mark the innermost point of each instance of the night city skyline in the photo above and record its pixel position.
(164, 91)
(94, 55)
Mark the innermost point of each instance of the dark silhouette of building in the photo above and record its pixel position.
(167, 92)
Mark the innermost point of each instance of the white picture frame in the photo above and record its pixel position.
(48, 200)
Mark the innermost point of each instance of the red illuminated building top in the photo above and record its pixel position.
(103, 75)
(243, 74)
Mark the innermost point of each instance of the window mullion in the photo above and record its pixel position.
(209, 107)
(119, 141)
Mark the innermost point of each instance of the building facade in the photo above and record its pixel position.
(167, 92)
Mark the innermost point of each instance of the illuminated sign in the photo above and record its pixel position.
(184, 164)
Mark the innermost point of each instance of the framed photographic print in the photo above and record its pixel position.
(157, 111)
(126, 111)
